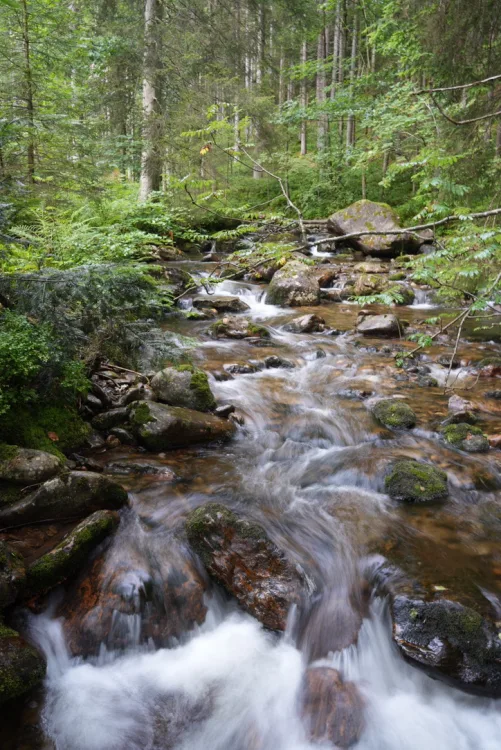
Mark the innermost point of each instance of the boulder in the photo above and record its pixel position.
(239, 555)
(461, 410)
(25, 466)
(221, 303)
(368, 284)
(366, 216)
(394, 414)
(140, 392)
(109, 419)
(177, 281)
(403, 294)
(22, 667)
(380, 326)
(274, 362)
(307, 324)
(294, 285)
(12, 575)
(414, 482)
(168, 253)
(369, 268)
(465, 437)
(333, 709)
(68, 556)
(160, 427)
(75, 495)
(231, 327)
(127, 468)
(184, 385)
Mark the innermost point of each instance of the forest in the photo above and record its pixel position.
(250, 363)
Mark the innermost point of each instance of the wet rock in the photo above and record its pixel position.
(274, 362)
(307, 324)
(221, 303)
(398, 276)
(75, 495)
(320, 354)
(109, 419)
(494, 394)
(12, 575)
(450, 641)
(413, 482)
(492, 364)
(237, 328)
(185, 386)
(69, 555)
(25, 466)
(466, 437)
(167, 253)
(177, 281)
(221, 376)
(239, 555)
(294, 285)
(160, 427)
(403, 294)
(332, 708)
(224, 411)
(445, 361)
(126, 468)
(93, 402)
(140, 392)
(394, 414)
(461, 410)
(495, 441)
(426, 381)
(354, 393)
(325, 274)
(237, 369)
(367, 284)
(94, 441)
(369, 268)
(380, 326)
(338, 295)
(124, 436)
(22, 667)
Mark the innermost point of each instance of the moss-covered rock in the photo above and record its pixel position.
(232, 327)
(66, 559)
(12, 575)
(413, 482)
(368, 284)
(489, 362)
(109, 419)
(25, 466)
(184, 385)
(221, 303)
(404, 293)
(394, 414)
(398, 276)
(466, 437)
(22, 667)
(51, 428)
(294, 285)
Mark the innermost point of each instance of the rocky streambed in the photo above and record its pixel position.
(308, 549)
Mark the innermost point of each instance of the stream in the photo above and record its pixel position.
(308, 464)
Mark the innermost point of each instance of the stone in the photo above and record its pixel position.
(307, 324)
(124, 436)
(12, 575)
(126, 468)
(414, 482)
(367, 285)
(380, 326)
(108, 419)
(426, 381)
(466, 437)
(394, 414)
(75, 495)
(402, 293)
(25, 466)
(220, 303)
(185, 386)
(176, 281)
(94, 441)
(333, 709)
(232, 327)
(22, 667)
(160, 427)
(239, 555)
(370, 268)
(294, 285)
(238, 369)
(274, 362)
(224, 411)
(461, 410)
(69, 555)
(140, 392)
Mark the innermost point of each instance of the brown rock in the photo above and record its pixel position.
(333, 708)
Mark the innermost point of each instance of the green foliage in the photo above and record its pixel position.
(49, 427)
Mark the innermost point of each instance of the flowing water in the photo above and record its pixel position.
(308, 464)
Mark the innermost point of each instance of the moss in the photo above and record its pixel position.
(400, 276)
(7, 452)
(261, 331)
(21, 666)
(462, 436)
(6, 632)
(489, 361)
(140, 415)
(200, 385)
(31, 428)
(405, 292)
(9, 493)
(413, 482)
(394, 414)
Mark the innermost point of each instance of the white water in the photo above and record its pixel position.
(253, 295)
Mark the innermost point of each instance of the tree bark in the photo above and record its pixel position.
(304, 101)
(322, 119)
(350, 130)
(335, 51)
(28, 83)
(151, 161)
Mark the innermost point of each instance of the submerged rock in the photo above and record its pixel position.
(307, 324)
(221, 303)
(413, 482)
(465, 437)
(184, 385)
(240, 556)
(394, 414)
(231, 327)
(160, 427)
(380, 325)
(27, 466)
(294, 285)
(333, 709)
(22, 667)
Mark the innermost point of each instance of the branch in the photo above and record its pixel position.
(463, 122)
(458, 88)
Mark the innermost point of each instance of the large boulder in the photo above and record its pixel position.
(220, 303)
(294, 285)
(12, 575)
(394, 414)
(333, 709)
(25, 466)
(75, 495)
(413, 482)
(160, 427)
(184, 385)
(240, 556)
(368, 284)
(22, 667)
(232, 327)
(380, 326)
(367, 216)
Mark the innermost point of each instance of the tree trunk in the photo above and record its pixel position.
(322, 120)
(304, 101)
(151, 161)
(498, 141)
(335, 51)
(28, 83)
(350, 130)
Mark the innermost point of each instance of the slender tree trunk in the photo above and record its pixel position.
(335, 51)
(498, 141)
(322, 120)
(350, 130)
(281, 86)
(342, 47)
(151, 161)
(28, 83)
(304, 101)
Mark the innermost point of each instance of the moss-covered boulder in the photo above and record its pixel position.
(160, 427)
(413, 482)
(25, 466)
(221, 303)
(22, 667)
(294, 285)
(12, 575)
(402, 293)
(107, 420)
(368, 284)
(394, 414)
(240, 556)
(233, 327)
(184, 385)
(466, 437)
(74, 495)
(397, 276)
(369, 268)
(67, 558)
(51, 428)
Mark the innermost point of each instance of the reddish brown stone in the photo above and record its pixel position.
(333, 709)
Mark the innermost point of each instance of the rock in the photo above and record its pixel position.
(22, 667)
(126, 468)
(184, 385)
(461, 410)
(320, 354)
(75, 495)
(413, 482)
(221, 303)
(450, 641)
(333, 709)
(25, 466)
(160, 427)
(12, 575)
(338, 295)
(70, 554)
(492, 364)
(274, 362)
(494, 394)
(124, 436)
(394, 414)
(367, 285)
(465, 437)
(294, 285)
(212, 258)
(140, 392)
(224, 411)
(307, 324)
(368, 268)
(168, 253)
(93, 402)
(354, 393)
(237, 369)
(94, 441)
(495, 441)
(325, 274)
(237, 328)
(380, 326)
(177, 281)
(426, 381)
(398, 276)
(239, 555)
(403, 294)
(108, 419)
(364, 216)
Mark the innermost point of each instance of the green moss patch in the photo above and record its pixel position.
(140, 415)
(394, 414)
(30, 428)
(466, 437)
(413, 482)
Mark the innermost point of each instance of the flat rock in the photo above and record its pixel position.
(25, 466)
(160, 427)
(387, 326)
(233, 327)
(220, 303)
